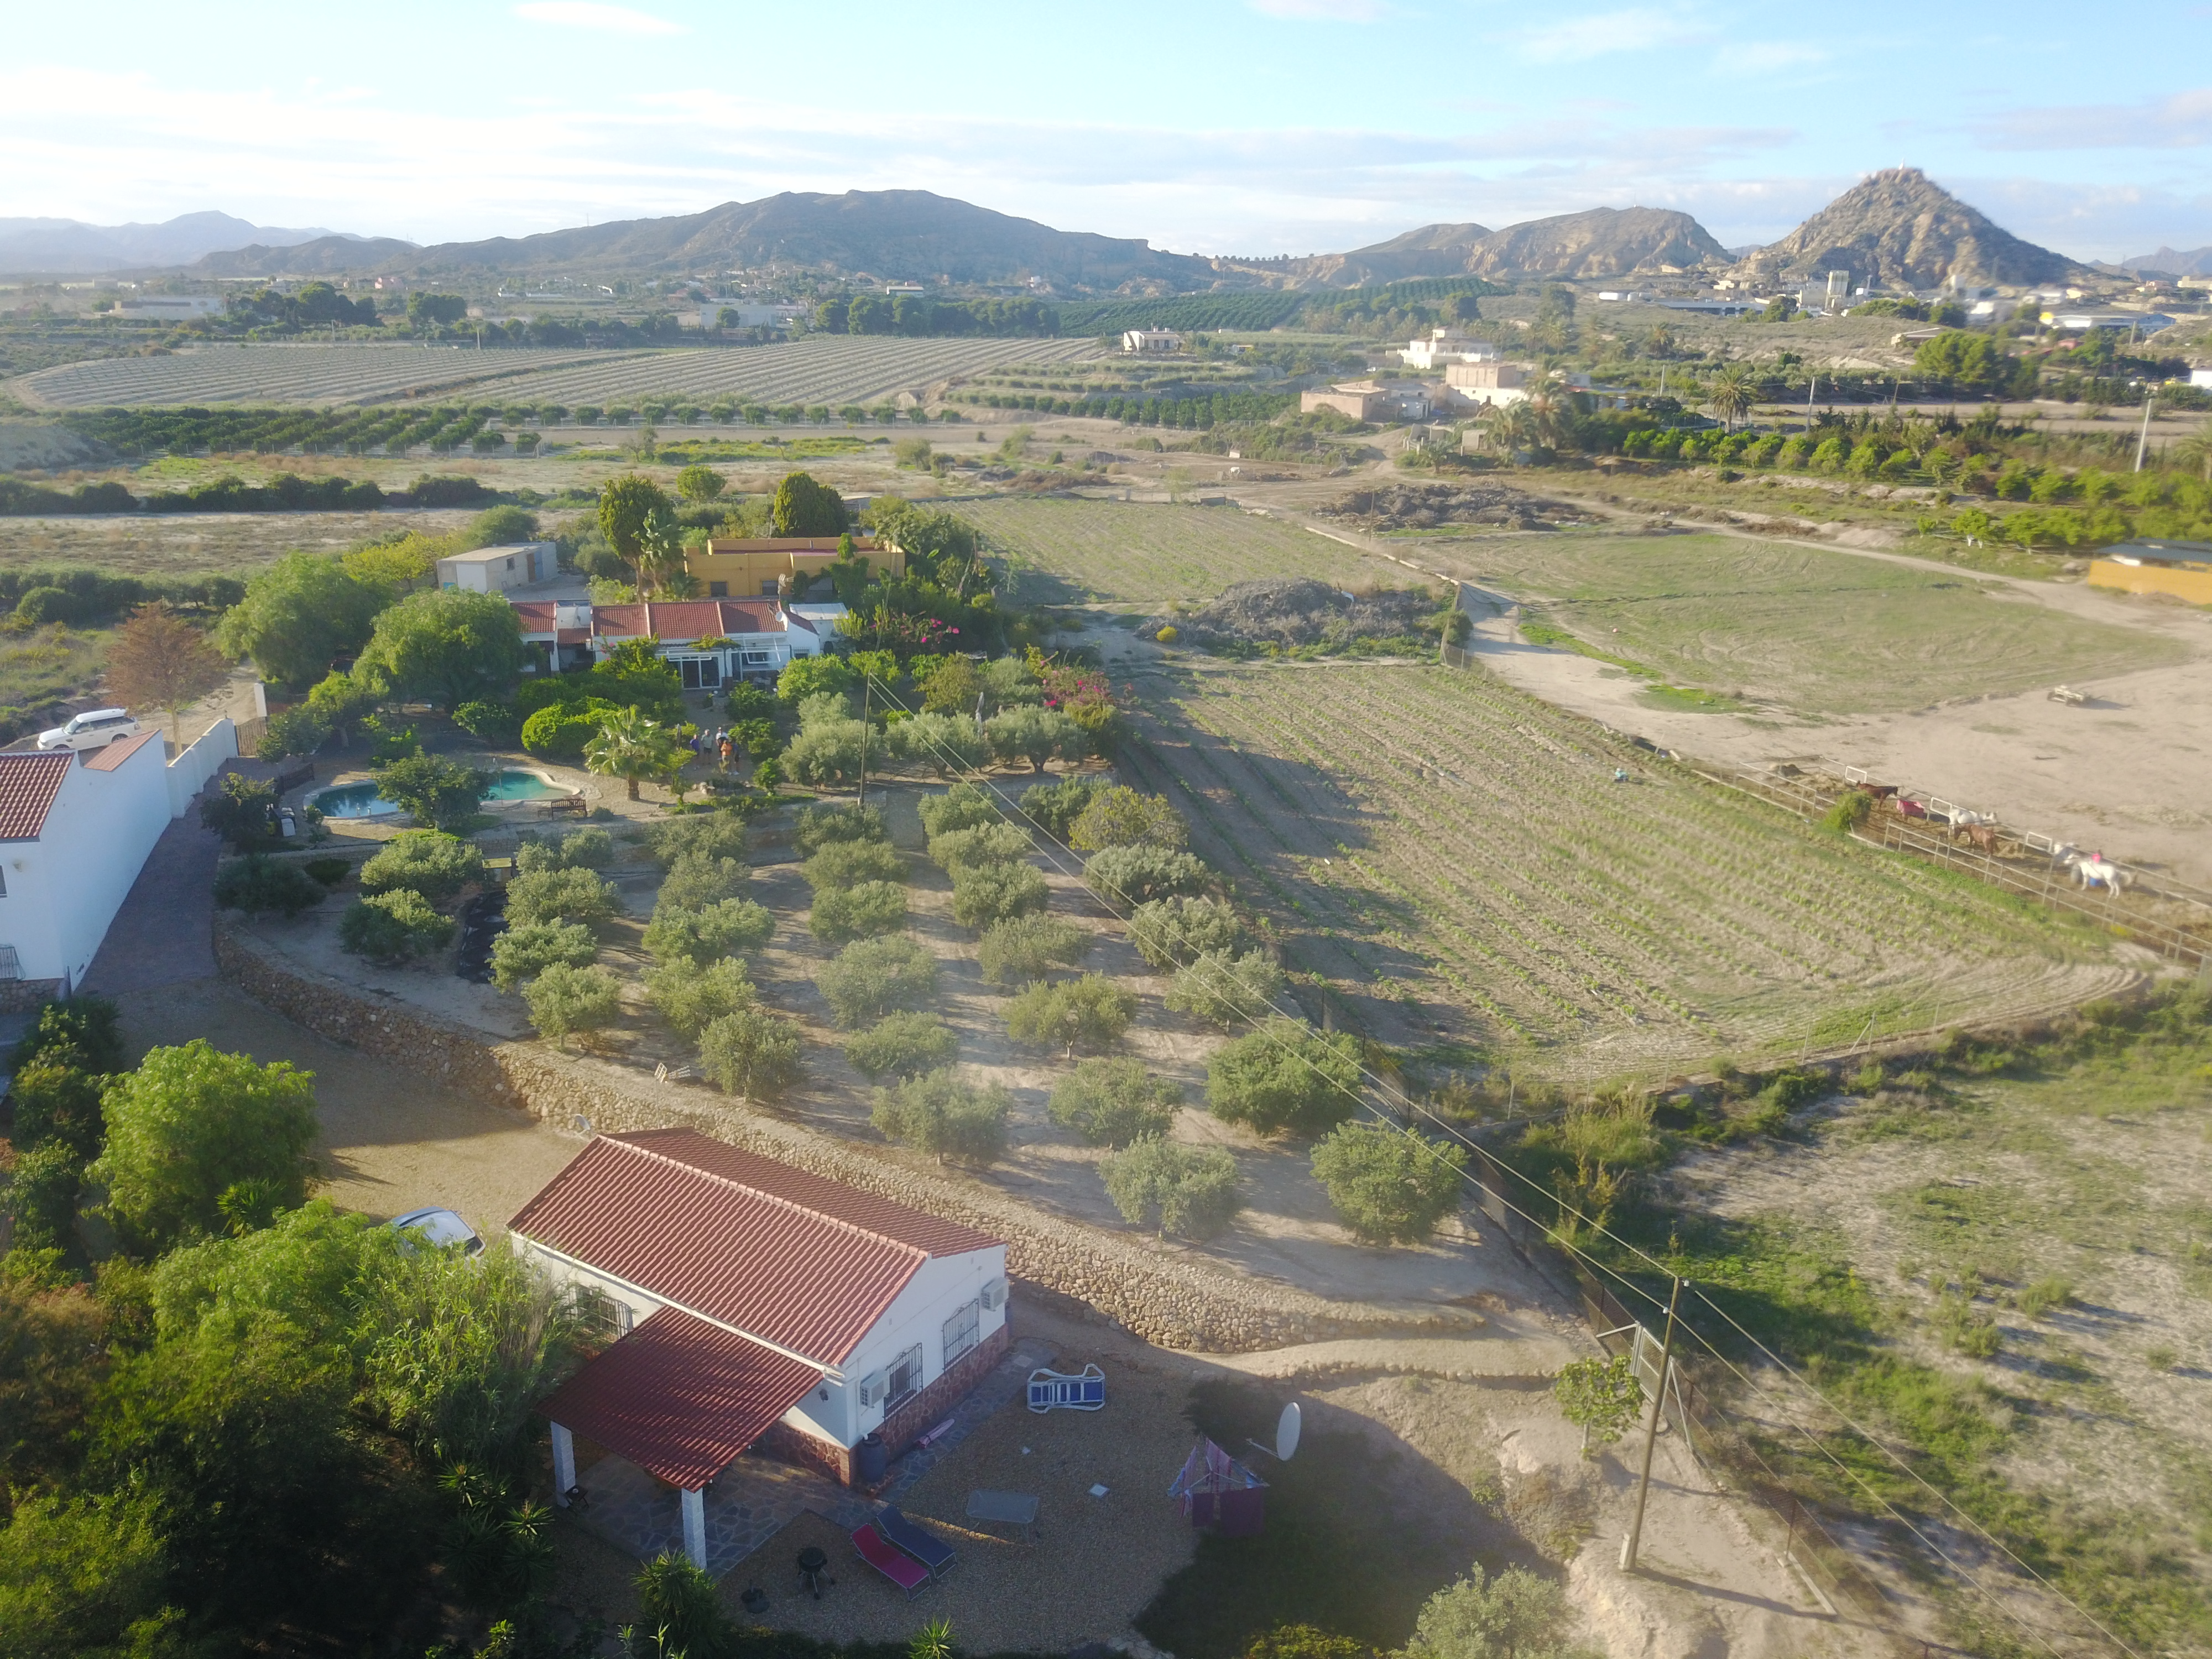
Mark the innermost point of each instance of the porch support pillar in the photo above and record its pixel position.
(695, 1527)
(564, 1464)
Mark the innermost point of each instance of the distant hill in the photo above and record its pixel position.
(1599, 243)
(1901, 228)
(326, 255)
(70, 246)
(1431, 250)
(908, 234)
(2170, 262)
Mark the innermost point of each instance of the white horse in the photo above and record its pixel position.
(2096, 870)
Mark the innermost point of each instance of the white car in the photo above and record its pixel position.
(95, 728)
(441, 1228)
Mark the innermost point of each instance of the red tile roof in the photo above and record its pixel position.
(804, 1263)
(29, 784)
(679, 1398)
(537, 618)
(688, 619)
(116, 753)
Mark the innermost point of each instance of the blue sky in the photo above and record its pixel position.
(1224, 126)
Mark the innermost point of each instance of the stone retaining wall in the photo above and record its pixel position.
(1175, 1299)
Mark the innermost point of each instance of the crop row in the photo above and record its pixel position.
(1154, 552)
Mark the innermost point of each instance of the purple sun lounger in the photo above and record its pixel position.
(907, 1573)
(927, 1549)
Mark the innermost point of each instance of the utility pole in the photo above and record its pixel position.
(1635, 1538)
(1811, 387)
(2142, 440)
(867, 691)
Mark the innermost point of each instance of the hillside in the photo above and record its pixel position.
(68, 247)
(911, 235)
(1600, 242)
(1431, 251)
(2173, 262)
(323, 257)
(1901, 228)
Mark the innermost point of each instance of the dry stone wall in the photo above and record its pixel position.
(1162, 1294)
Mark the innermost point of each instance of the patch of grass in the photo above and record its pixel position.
(1688, 699)
(1354, 1542)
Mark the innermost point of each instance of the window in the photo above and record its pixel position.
(960, 1333)
(767, 588)
(718, 590)
(604, 1318)
(905, 1379)
(700, 673)
(754, 658)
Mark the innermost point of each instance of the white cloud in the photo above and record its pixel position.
(2183, 121)
(1765, 56)
(1579, 38)
(1325, 11)
(588, 15)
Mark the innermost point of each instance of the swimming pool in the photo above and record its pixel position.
(361, 800)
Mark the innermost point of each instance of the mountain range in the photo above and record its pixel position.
(71, 247)
(1897, 227)
(2172, 262)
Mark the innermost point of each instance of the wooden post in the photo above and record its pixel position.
(1635, 1538)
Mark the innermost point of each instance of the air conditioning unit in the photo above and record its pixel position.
(994, 1295)
(872, 1390)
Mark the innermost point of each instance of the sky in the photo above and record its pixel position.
(1208, 126)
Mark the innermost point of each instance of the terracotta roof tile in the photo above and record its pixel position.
(116, 753)
(679, 1398)
(29, 784)
(807, 1264)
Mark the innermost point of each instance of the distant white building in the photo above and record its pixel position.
(1140, 340)
(903, 288)
(749, 315)
(2140, 323)
(171, 307)
(1470, 385)
(495, 569)
(1448, 346)
(2200, 377)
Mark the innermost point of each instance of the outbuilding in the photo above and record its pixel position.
(495, 569)
(749, 1305)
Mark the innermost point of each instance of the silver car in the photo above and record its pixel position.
(95, 728)
(441, 1228)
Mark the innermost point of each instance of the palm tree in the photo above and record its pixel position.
(1510, 426)
(630, 747)
(2194, 452)
(1732, 394)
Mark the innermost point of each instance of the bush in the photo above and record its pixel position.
(521, 954)
(820, 826)
(1285, 1076)
(1035, 735)
(946, 744)
(1120, 816)
(1390, 1186)
(559, 896)
(292, 732)
(849, 913)
(679, 1604)
(1055, 807)
(963, 807)
(43, 1192)
(581, 850)
(426, 861)
(1227, 992)
(711, 836)
(937, 1113)
(980, 844)
(697, 880)
(1171, 932)
(848, 863)
(85, 1032)
(994, 893)
(733, 927)
(1023, 948)
(691, 996)
(55, 1101)
(1138, 875)
(560, 731)
(242, 811)
(329, 871)
(495, 723)
(903, 1046)
(1111, 1102)
(827, 755)
(1189, 1191)
(441, 794)
(1090, 1013)
(565, 999)
(873, 978)
(1851, 810)
(1515, 1615)
(752, 1053)
(394, 928)
(256, 883)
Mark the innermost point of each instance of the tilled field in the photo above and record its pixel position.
(834, 370)
(1456, 858)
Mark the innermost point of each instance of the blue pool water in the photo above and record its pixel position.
(361, 800)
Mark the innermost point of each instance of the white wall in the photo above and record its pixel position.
(944, 1285)
(64, 888)
(190, 771)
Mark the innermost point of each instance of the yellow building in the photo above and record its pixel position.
(2181, 568)
(755, 566)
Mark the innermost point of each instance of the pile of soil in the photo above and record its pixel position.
(1425, 506)
(1287, 612)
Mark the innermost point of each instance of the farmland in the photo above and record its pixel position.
(1828, 633)
(1151, 552)
(202, 543)
(1454, 859)
(828, 369)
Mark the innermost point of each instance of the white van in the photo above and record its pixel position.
(95, 728)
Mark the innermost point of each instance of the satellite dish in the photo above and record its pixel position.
(1286, 1432)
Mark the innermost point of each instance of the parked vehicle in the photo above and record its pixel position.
(95, 728)
(441, 1228)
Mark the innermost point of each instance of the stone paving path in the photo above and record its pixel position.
(757, 1497)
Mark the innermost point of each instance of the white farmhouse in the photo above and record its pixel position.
(709, 642)
(75, 830)
(1137, 341)
(495, 569)
(752, 1305)
(1448, 346)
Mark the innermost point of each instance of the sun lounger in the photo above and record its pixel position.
(908, 1574)
(926, 1547)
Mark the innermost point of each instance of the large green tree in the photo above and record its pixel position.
(638, 520)
(199, 1140)
(298, 614)
(449, 647)
(804, 507)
